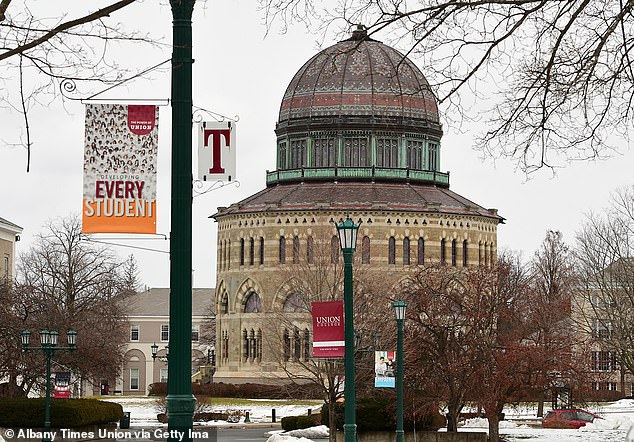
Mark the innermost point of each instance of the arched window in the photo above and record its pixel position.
(297, 345)
(287, 345)
(415, 154)
(406, 251)
(296, 250)
(261, 250)
(253, 304)
(306, 344)
(281, 156)
(309, 250)
(241, 251)
(391, 251)
(443, 251)
(365, 250)
(294, 303)
(252, 251)
(282, 250)
(355, 152)
(420, 256)
(387, 152)
(433, 156)
(334, 249)
(480, 253)
(228, 250)
(492, 259)
(298, 154)
(224, 304)
(324, 152)
(454, 252)
(465, 252)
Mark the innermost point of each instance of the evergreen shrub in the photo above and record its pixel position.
(65, 413)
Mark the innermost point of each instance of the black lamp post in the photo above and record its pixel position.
(155, 355)
(347, 232)
(399, 312)
(48, 345)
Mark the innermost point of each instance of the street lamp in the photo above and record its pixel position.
(347, 232)
(48, 345)
(154, 348)
(399, 312)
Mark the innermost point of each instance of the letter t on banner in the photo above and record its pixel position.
(328, 329)
(217, 150)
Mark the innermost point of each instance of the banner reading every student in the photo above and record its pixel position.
(328, 329)
(120, 151)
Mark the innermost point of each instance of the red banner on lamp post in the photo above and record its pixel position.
(328, 329)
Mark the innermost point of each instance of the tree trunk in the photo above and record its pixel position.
(540, 405)
(453, 412)
(494, 428)
(332, 422)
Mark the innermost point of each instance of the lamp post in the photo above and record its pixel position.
(399, 312)
(155, 355)
(347, 232)
(48, 345)
(180, 400)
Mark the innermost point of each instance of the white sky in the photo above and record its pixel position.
(239, 72)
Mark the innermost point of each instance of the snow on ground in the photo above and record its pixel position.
(521, 424)
(143, 411)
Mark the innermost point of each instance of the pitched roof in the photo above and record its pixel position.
(359, 196)
(10, 226)
(155, 302)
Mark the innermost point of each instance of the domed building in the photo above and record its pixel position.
(359, 132)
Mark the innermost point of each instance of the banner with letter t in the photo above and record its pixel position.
(217, 150)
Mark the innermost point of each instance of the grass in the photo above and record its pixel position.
(265, 402)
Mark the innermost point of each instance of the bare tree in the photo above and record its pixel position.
(42, 47)
(562, 70)
(316, 274)
(605, 253)
(66, 283)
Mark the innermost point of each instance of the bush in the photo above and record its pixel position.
(65, 413)
(246, 391)
(290, 423)
(378, 413)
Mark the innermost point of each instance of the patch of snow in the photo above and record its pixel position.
(476, 422)
(609, 423)
(319, 432)
(284, 438)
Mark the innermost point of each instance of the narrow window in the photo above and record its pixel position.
(134, 379)
(492, 258)
(134, 333)
(420, 258)
(433, 156)
(391, 251)
(443, 251)
(309, 250)
(486, 255)
(241, 251)
(253, 348)
(480, 253)
(281, 158)
(465, 252)
(406, 251)
(165, 332)
(365, 250)
(163, 374)
(195, 332)
(261, 250)
(229, 254)
(453, 252)
(297, 345)
(282, 250)
(252, 251)
(306, 344)
(224, 304)
(296, 250)
(253, 304)
(245, 345)
(334, 249)
(258, 343)
(287, 345)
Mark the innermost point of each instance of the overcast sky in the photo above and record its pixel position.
(238, 71)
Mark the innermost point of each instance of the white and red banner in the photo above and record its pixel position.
(328, 329)
(217, 150)
(120, 151)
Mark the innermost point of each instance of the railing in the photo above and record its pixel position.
(358, 173)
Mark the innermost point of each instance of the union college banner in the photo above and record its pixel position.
(120, 169)
(328, 329)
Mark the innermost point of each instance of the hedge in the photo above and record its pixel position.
(246, 391)
(290, 423)
(65, 413)
(378, 414)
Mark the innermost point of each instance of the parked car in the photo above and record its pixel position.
(568, 418)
